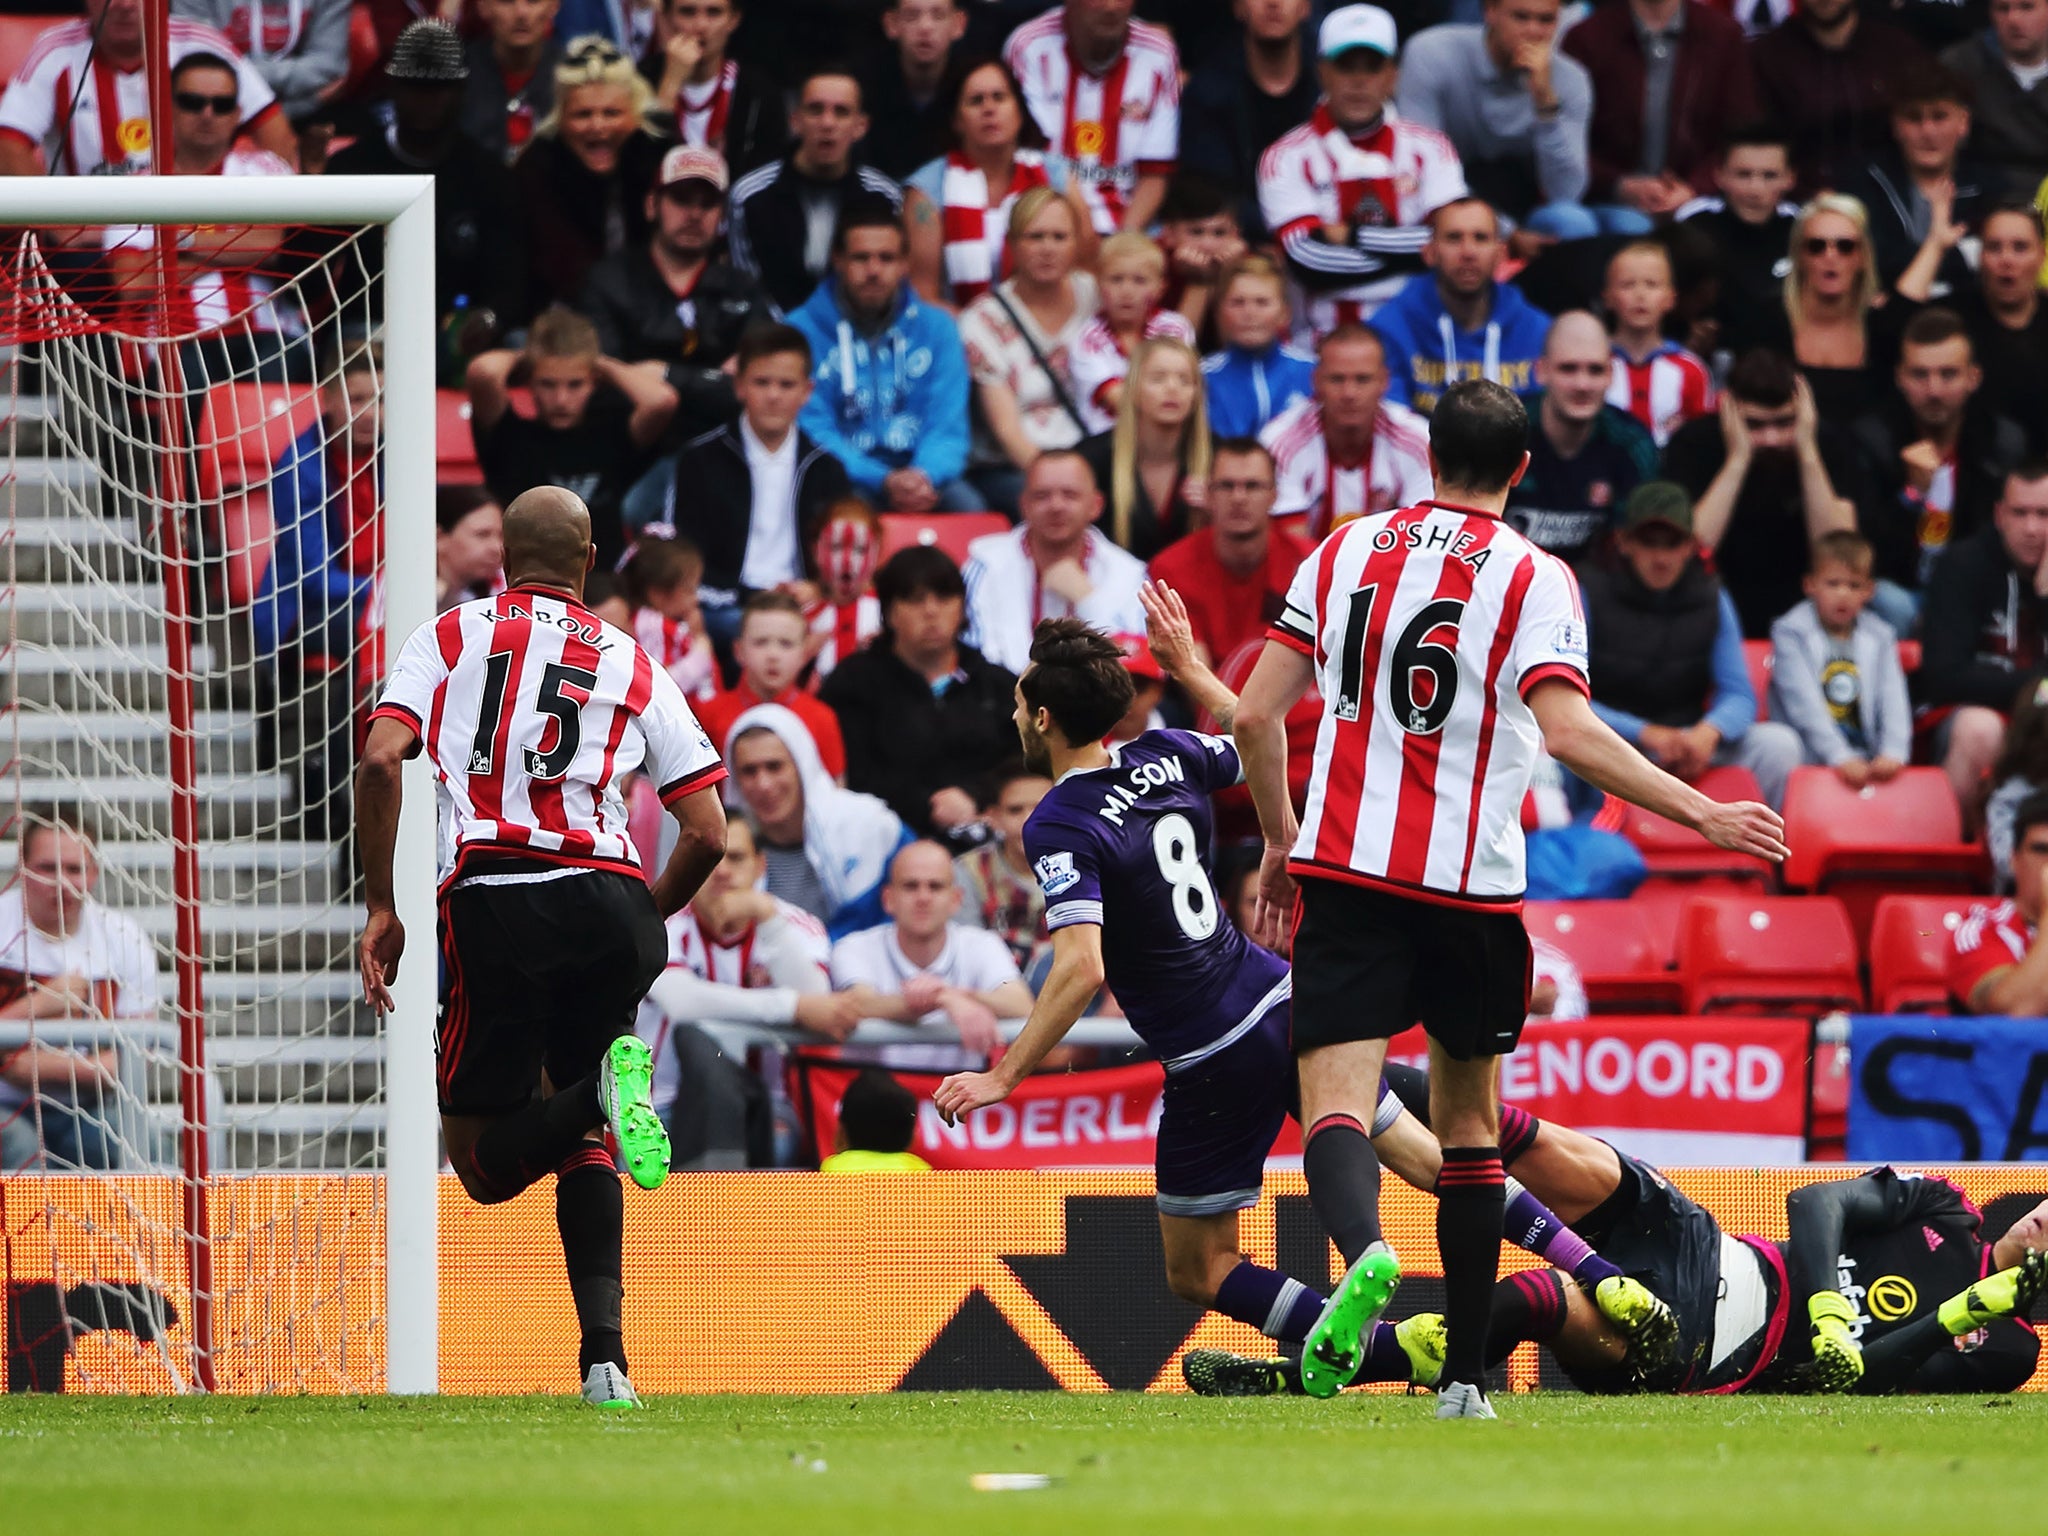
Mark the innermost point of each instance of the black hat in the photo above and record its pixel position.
(1658, 501)
(429, 52)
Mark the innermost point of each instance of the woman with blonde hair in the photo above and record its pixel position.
(1831, 292)
(1018, 338)
(585, 175)
(1153, 465)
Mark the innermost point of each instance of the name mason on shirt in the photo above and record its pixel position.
(1139, 782)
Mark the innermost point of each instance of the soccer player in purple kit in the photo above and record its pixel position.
(1120, 846)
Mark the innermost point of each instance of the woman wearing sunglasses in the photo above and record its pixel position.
(585, 175)
(1831, 303)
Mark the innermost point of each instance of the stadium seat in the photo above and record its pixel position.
(1670, 849)
(247, 533)
(1905, 837)
(950, 531)
(1613, 945)
(244, 429)
(455, 461)
(1767, 954)
(1909, 656)
(18, 36)
(1909, 949)
(1756, 655)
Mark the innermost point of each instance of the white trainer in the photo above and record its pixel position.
(1462, 1400)
(607, 1387)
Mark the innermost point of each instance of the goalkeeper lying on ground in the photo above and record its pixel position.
(1885, 1285)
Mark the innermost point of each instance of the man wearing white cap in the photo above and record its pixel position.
(1350, 192)
(674, 300)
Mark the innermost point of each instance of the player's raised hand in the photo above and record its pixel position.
(377, 956)
(1743, 826)
(1168, 630)
(1273, 914)
(965, 1092)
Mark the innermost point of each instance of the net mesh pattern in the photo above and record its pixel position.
(191, 499)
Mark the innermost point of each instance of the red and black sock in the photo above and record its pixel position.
(1527, 1307)
(1344, 1183)
(518, 1150)
(590, 1212)
(1470, 1208)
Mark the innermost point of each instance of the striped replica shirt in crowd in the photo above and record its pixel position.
(533, 709)
(91, 119)
(1394, 473)
(1428, 627)
(1664, 391)
(1105, 130)
(1383, 187)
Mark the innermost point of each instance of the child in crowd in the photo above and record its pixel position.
(1200, 238)
(877, 1122)
(844, 614)
(1835, 671)
(657, 603)
(595, 421)
(469, 545)
(2021, 772)
(1750, 225)
(1655, 380)
(1257, 375)
(998, 890)
(771, 650)
(1131, 275)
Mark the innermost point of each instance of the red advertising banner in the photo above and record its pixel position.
(1672, 1090)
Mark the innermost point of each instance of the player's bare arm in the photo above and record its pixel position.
(700, 816)
(1277, 683)
(1075, 978)
(1171, 634)
(379, 789)
(1580, 740)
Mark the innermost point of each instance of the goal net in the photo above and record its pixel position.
(215, 494)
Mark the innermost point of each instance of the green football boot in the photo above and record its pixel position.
(1333, 1351)
(1650, 1326)
(1837, 1357)
(1220, 1373)
(2009, 1293)
(1424, 1342)
(625, 1090)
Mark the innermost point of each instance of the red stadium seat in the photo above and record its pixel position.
(18, 36)
(1615, 949)
(1909, 949)
(247, 533)
(1756, 654)
(1767, 954)
(1670, 849)
(1905, 837)
(1909, 656)
(244, 429)
(950, 531)
(455, 460)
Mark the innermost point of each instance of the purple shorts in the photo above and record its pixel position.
(1219, 1116)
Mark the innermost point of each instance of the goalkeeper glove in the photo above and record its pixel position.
(2009, 1293)
(1837, 1357)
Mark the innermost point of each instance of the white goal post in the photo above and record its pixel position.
(403, 206)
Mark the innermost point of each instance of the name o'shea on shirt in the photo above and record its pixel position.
(1119, 798)
(1428, 535)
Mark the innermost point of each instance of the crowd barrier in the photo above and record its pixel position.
(769, 1282)
(1948, 1088)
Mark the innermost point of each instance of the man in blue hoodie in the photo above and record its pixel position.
(1454, 321)
(890, 401)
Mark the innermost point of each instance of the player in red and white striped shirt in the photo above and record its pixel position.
(532, 709)
(79, 104)
(1349, 193)
(1996, 962)
(1347, 451)
(1447, 648)
(1105, 91)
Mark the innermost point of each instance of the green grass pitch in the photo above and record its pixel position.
(841, 1466)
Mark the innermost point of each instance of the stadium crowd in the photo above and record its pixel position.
(1035, 305)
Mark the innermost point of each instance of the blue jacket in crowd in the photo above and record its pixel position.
(305, 589)
(1427, 353)
(896, 400)
(1248, 389)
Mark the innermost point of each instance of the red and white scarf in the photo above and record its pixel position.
(711, 114)
(975, 227)
(1363, 168)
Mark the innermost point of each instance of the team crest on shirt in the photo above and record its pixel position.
(1599, 494)
(1089, 138)
(1056, 873)
(131, 137)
